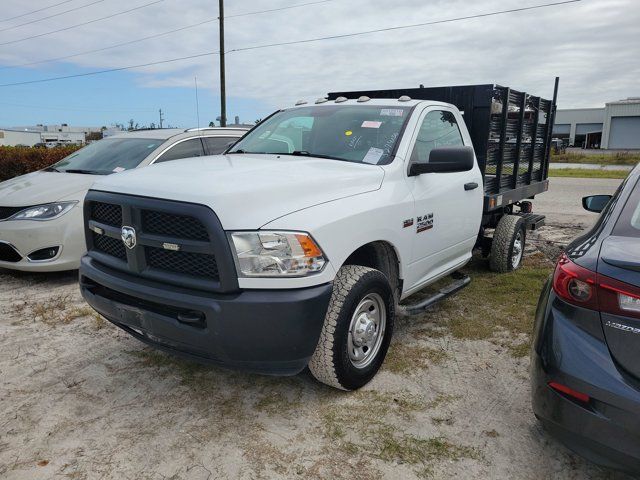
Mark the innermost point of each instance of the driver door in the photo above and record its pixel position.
(448, 208)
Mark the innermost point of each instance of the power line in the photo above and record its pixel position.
(51, 16)
(276, 9)
(157, 35)
(81, 24)
(77, 108)
(501, 12)
(36, 11)
(117, 69)
(86, 52)
(401, 27)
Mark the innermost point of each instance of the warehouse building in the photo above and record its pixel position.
(9, 137)
(614, 127)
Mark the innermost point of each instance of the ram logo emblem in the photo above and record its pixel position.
(129, 237)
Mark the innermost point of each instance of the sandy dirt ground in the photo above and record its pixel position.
(80, 399)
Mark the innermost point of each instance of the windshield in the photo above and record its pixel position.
(110, 155)
(354, 133)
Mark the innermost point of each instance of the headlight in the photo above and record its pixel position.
(276, 254)
(48, 211)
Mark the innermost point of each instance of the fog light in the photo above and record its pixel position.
(43, 254)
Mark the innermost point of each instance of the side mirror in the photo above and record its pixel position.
(445, 159)
(595, 203)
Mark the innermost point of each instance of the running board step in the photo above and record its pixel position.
(459, 282)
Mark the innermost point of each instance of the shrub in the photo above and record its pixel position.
(15, 161)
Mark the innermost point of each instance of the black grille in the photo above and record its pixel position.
(110, 246)
(195, 264)
(9, 254)
(178, 226)
(107, 213)
(6, 212)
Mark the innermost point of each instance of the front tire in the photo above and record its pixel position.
(357, 329)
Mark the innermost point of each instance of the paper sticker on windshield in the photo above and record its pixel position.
(391, 112)
(371, 124)
(119, 169)
(373, 156)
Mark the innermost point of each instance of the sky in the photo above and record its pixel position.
(592, 45)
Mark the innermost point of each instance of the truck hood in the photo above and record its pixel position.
(247, 191)
(43, 187)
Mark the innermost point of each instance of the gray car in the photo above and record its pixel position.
(585, 362)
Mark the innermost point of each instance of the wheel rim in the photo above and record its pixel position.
(518, 250)
(366, 330)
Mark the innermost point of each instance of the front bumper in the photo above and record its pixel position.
(28, 236)
(264, 331)
(569, 349)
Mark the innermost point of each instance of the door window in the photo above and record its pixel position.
(217, 145)
(439, 129)
(186, 149)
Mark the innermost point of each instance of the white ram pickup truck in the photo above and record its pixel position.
(295, 247)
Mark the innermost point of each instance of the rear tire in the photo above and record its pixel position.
(357, 329)
(507, 248)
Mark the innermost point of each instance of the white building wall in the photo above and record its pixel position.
(579, 116)
(623, 108)
(11, 138)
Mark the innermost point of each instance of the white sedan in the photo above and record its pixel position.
(41, 219)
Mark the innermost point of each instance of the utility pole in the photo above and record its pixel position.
(161, 118)
(223, 88)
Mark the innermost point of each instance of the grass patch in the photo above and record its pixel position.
(57, 310)
(404, 359)
(441, 399)
(587, 173)
(493, 306)
(98, 321)
(618, 158)
(377, 430)
(519, 350)
(189, 372)
(405, 448)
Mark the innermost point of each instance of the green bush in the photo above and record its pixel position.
(15, 161)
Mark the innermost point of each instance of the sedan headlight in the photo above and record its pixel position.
(48, 211)
(276, 254)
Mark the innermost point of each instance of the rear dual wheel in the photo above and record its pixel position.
(507, 247)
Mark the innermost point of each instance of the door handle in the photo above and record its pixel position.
(471, 186)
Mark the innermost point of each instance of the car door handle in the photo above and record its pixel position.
(471, 186)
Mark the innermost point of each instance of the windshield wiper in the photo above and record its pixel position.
(80, 170)
(51, 169)
(304, 153)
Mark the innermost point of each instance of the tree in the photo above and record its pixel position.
(212, 124)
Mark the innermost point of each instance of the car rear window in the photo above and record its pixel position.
(628, 225)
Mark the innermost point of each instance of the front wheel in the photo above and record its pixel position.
(507, 247)
(357, 329)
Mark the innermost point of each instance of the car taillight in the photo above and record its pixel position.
(582, 287)
(618, 298)
(575, 284)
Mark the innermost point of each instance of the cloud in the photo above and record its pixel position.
(591, 45)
